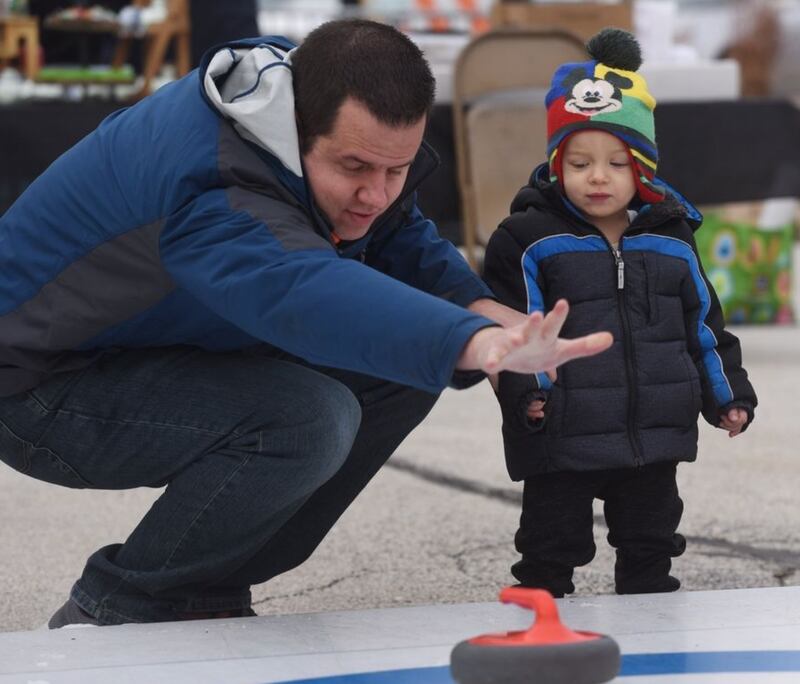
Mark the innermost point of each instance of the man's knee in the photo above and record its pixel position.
(338, 419)
(325, 423)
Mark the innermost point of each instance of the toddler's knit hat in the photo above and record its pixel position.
(606, 94)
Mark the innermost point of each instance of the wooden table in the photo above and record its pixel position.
(174, 28)
(14, 30)
(82, 28)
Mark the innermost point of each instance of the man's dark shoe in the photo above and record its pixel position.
(217, 614)
(71, 614)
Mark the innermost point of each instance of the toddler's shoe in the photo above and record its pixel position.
(662, 586)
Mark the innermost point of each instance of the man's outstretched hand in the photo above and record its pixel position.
(533, 346)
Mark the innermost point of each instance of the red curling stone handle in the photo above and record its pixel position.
(546, 629)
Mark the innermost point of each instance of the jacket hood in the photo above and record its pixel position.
(541, 193)
(249, 82)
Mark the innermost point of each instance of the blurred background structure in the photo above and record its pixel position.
(726, 74)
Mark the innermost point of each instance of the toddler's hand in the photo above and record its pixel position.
(733, 421)
(535, 410)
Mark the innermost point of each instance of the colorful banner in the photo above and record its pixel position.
(750, 268)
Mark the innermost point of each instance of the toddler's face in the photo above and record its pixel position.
(598, 178)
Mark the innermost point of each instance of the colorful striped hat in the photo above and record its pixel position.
(607, 94)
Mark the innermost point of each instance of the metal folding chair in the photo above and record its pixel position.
(499, 120)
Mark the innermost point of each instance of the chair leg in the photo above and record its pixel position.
(183, 58)
(155, 51)
(121, 52)
(31, 55)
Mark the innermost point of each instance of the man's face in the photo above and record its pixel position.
(359, 169)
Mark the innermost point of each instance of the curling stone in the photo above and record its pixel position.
(547, 653)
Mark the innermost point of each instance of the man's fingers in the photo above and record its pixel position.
(534, 346)
(584, 346)
(532, 324)
(517, 337)
(493, 358)
(554, 321)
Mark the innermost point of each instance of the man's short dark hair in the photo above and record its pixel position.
(373, 63)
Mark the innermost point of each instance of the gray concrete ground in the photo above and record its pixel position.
(437, 524)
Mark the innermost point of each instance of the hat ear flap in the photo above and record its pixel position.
(556, 162)
(646, 189)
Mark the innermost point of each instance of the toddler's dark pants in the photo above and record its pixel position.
(642, 510)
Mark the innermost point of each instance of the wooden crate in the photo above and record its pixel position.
(16, 30)
(584, 19)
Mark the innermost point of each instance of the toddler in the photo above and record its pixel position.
(595, 226)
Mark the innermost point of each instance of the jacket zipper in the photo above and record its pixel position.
(630, 365)
(620, 268)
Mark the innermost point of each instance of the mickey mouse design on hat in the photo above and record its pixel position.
(606, 94)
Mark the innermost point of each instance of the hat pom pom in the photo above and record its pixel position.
(615, 48)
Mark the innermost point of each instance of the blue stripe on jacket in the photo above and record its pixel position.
(541, 249)
(558, 244)
(708, 341)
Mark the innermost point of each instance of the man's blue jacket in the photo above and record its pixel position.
(186, 220)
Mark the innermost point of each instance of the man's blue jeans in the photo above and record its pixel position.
(260, 455)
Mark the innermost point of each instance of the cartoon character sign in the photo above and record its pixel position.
(590, 97)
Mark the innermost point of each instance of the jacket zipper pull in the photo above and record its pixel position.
(620, 269)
